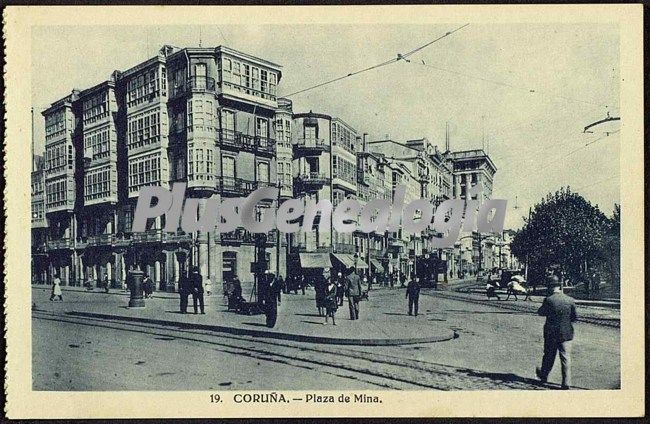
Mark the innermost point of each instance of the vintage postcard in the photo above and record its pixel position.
(327, 211)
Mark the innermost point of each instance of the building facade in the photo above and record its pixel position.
(204, 117)
(210, 119)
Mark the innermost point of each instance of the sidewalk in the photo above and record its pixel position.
(383, 320)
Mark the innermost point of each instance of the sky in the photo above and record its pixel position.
(522, 92)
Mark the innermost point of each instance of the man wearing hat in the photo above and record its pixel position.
(196, 287)
(353, 289)
(560, 312)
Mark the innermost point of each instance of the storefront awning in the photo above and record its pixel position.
(348, 260)
(377, 265)
(315, 260)
(345, 259)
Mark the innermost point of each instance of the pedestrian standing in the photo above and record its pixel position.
(107, 283)
(353, 286)
(281, 288)
(340, 289)
(207, 286)
(56, 289)
(413, 295)
(147, 286)
(184, 291)
(270, 297)
(560, 312)
(331, 302)
(319, 289)
(196, 285)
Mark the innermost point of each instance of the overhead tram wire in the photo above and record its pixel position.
(505, 84)
(565, 155)
(595, 183)
(379, 65)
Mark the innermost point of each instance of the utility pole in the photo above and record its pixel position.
(527, 255)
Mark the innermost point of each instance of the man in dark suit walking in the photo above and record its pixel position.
(413, 295)
(560, 312)
(353, 289)
(196, 284)
(184, 291)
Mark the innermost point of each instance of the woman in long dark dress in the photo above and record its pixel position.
(319, 288)
(331, 303)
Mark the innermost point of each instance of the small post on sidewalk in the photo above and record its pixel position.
(137, 298)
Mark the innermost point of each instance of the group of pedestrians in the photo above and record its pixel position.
(192, 285)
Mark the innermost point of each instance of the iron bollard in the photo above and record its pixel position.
(137, 298)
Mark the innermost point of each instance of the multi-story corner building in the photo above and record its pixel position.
(39, 223)
(204, 117)
(374, 182)
(325, 168)
(284, 165)
(471, 167)
(62, 160)
(97, 214)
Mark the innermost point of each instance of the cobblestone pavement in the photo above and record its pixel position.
(496, 350)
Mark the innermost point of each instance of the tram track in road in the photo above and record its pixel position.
(511, 305)
(376, 369)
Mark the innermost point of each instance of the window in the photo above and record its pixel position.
(95, 108)
(236, 73)
(228, 121)
(228, 166)
(226, 72)
(272, 83)
(256, 78)
(143, 129)
(97, 143)
(246, 78)
(200, 74)
(54, 124)
(262, 128)
(265, 80)
(311, 133)
(97, 184)
(146, 87)
(263, 172)
(143, 171)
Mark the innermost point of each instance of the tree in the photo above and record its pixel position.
(564, 230)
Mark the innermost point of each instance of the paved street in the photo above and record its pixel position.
(79, 345)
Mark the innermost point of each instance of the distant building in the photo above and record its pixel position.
(473, 252)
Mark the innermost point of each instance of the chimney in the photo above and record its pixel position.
(365, 142)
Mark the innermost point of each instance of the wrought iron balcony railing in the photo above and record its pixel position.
(62, 243)
(236, 186)
(149, 236)
(235, 140)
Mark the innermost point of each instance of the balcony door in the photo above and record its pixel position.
(228, 172)
(228, 123)
(262, 128)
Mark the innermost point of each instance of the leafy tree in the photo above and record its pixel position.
(566, 230)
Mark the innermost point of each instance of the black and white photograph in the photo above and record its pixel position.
(502, 139)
